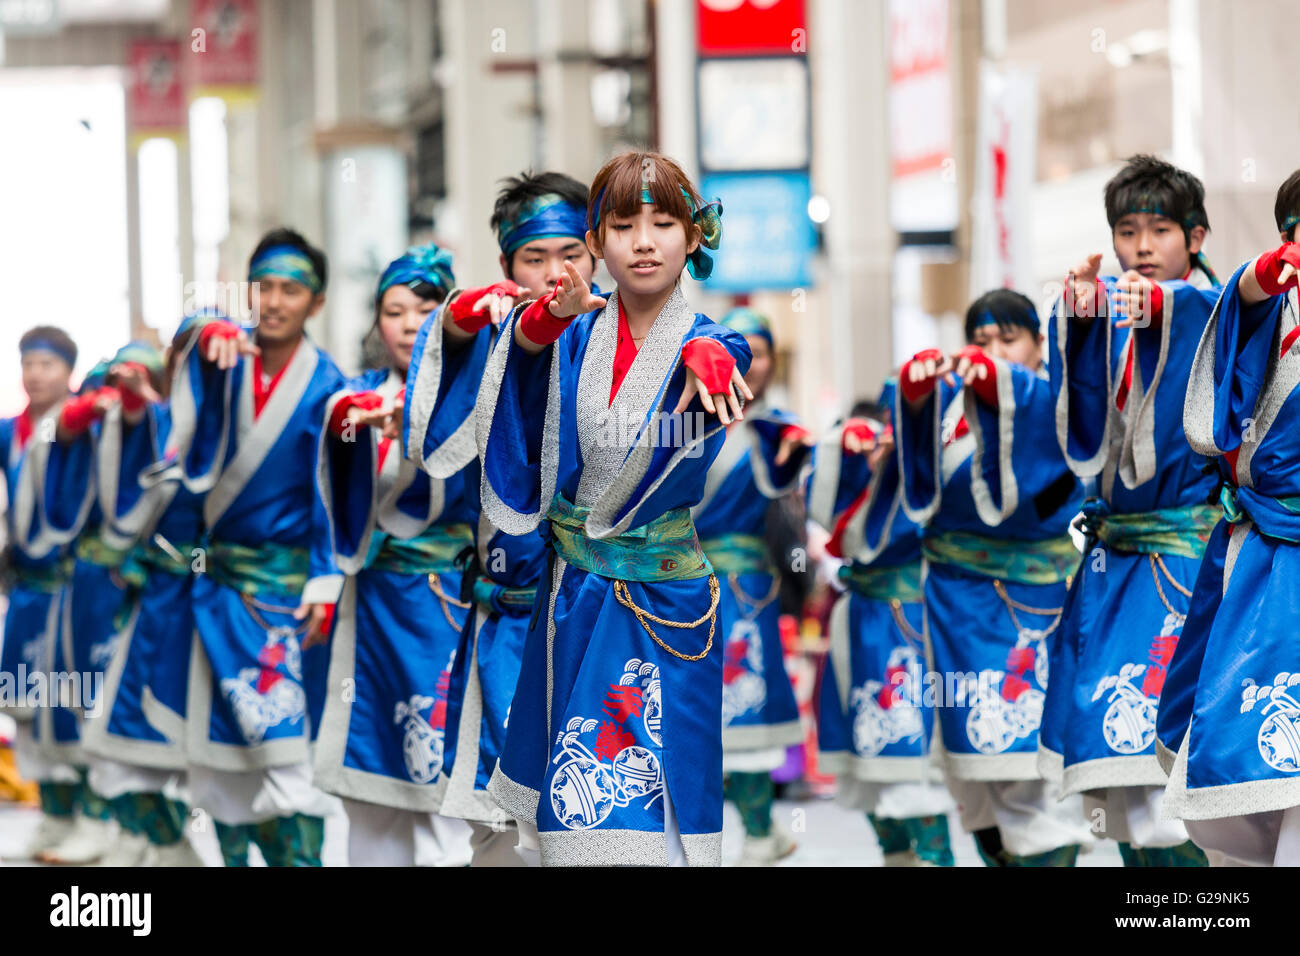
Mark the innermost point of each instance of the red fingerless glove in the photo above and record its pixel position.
(539, 325)
(366, 401)
(710, 360)
(915, 391)
(78, 413)
(858, 428)
(132, 402)
(1157, 305)
(327, 622)
(1268, 268)
(986, 388)
(462, 307)
(215, 330)
(793, 433)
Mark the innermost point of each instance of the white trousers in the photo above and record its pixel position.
(494, 846)
(387, 836)
(1256, 839)
(111, 778)
(1027, 813)
(254, 796)
(1132, 815)
(33, 766)
(896, 801)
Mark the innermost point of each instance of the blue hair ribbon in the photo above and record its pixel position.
(426, 263)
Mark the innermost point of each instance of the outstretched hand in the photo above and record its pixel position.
(134, 378)
(1134, 297)
(388, 420)
(792, 442)
(882, 446)
(225, 351)
(969, 366)
(929, 366)
(726, 404)
(1082, 282)
(498, 302)
(573, 296)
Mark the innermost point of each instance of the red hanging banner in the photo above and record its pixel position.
(223, 48)
(156, 90)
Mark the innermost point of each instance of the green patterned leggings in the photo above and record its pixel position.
(284, 841)
(752, 793)
(1184, 854)
(65, 799)
(927, 837)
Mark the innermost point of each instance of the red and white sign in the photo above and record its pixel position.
(1005, 159)
(223, 44)
(923, 197)
(157, 92)
(920, 88)
(746, 27)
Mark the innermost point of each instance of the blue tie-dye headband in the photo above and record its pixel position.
(426, 263)
(545, 217)
(48, 345)
(1026, 320)
(288, 262)
(142, 353)
(748, 322)
(96, 377)
(708, 217)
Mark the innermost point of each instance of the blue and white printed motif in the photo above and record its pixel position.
(1226, 726)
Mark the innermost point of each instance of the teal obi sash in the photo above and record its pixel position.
(1182, 531)
(666, 549)
(434, 551)
(92, 549)
(900, 583)
(738, 554)
(1275, 517)
(143, 559)
(253, 570)
(156, 559)
(515, 602)
(46, 579)
(1025, 562)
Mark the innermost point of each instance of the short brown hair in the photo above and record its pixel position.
(1287, 205)
(617, 190)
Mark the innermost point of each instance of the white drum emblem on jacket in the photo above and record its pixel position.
(889, 712)
(262, 697)
(1279, 734)
(744, 688)
(614, 770)
(423, 741)
(1129, 724)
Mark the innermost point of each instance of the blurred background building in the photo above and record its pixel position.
(880, 161)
